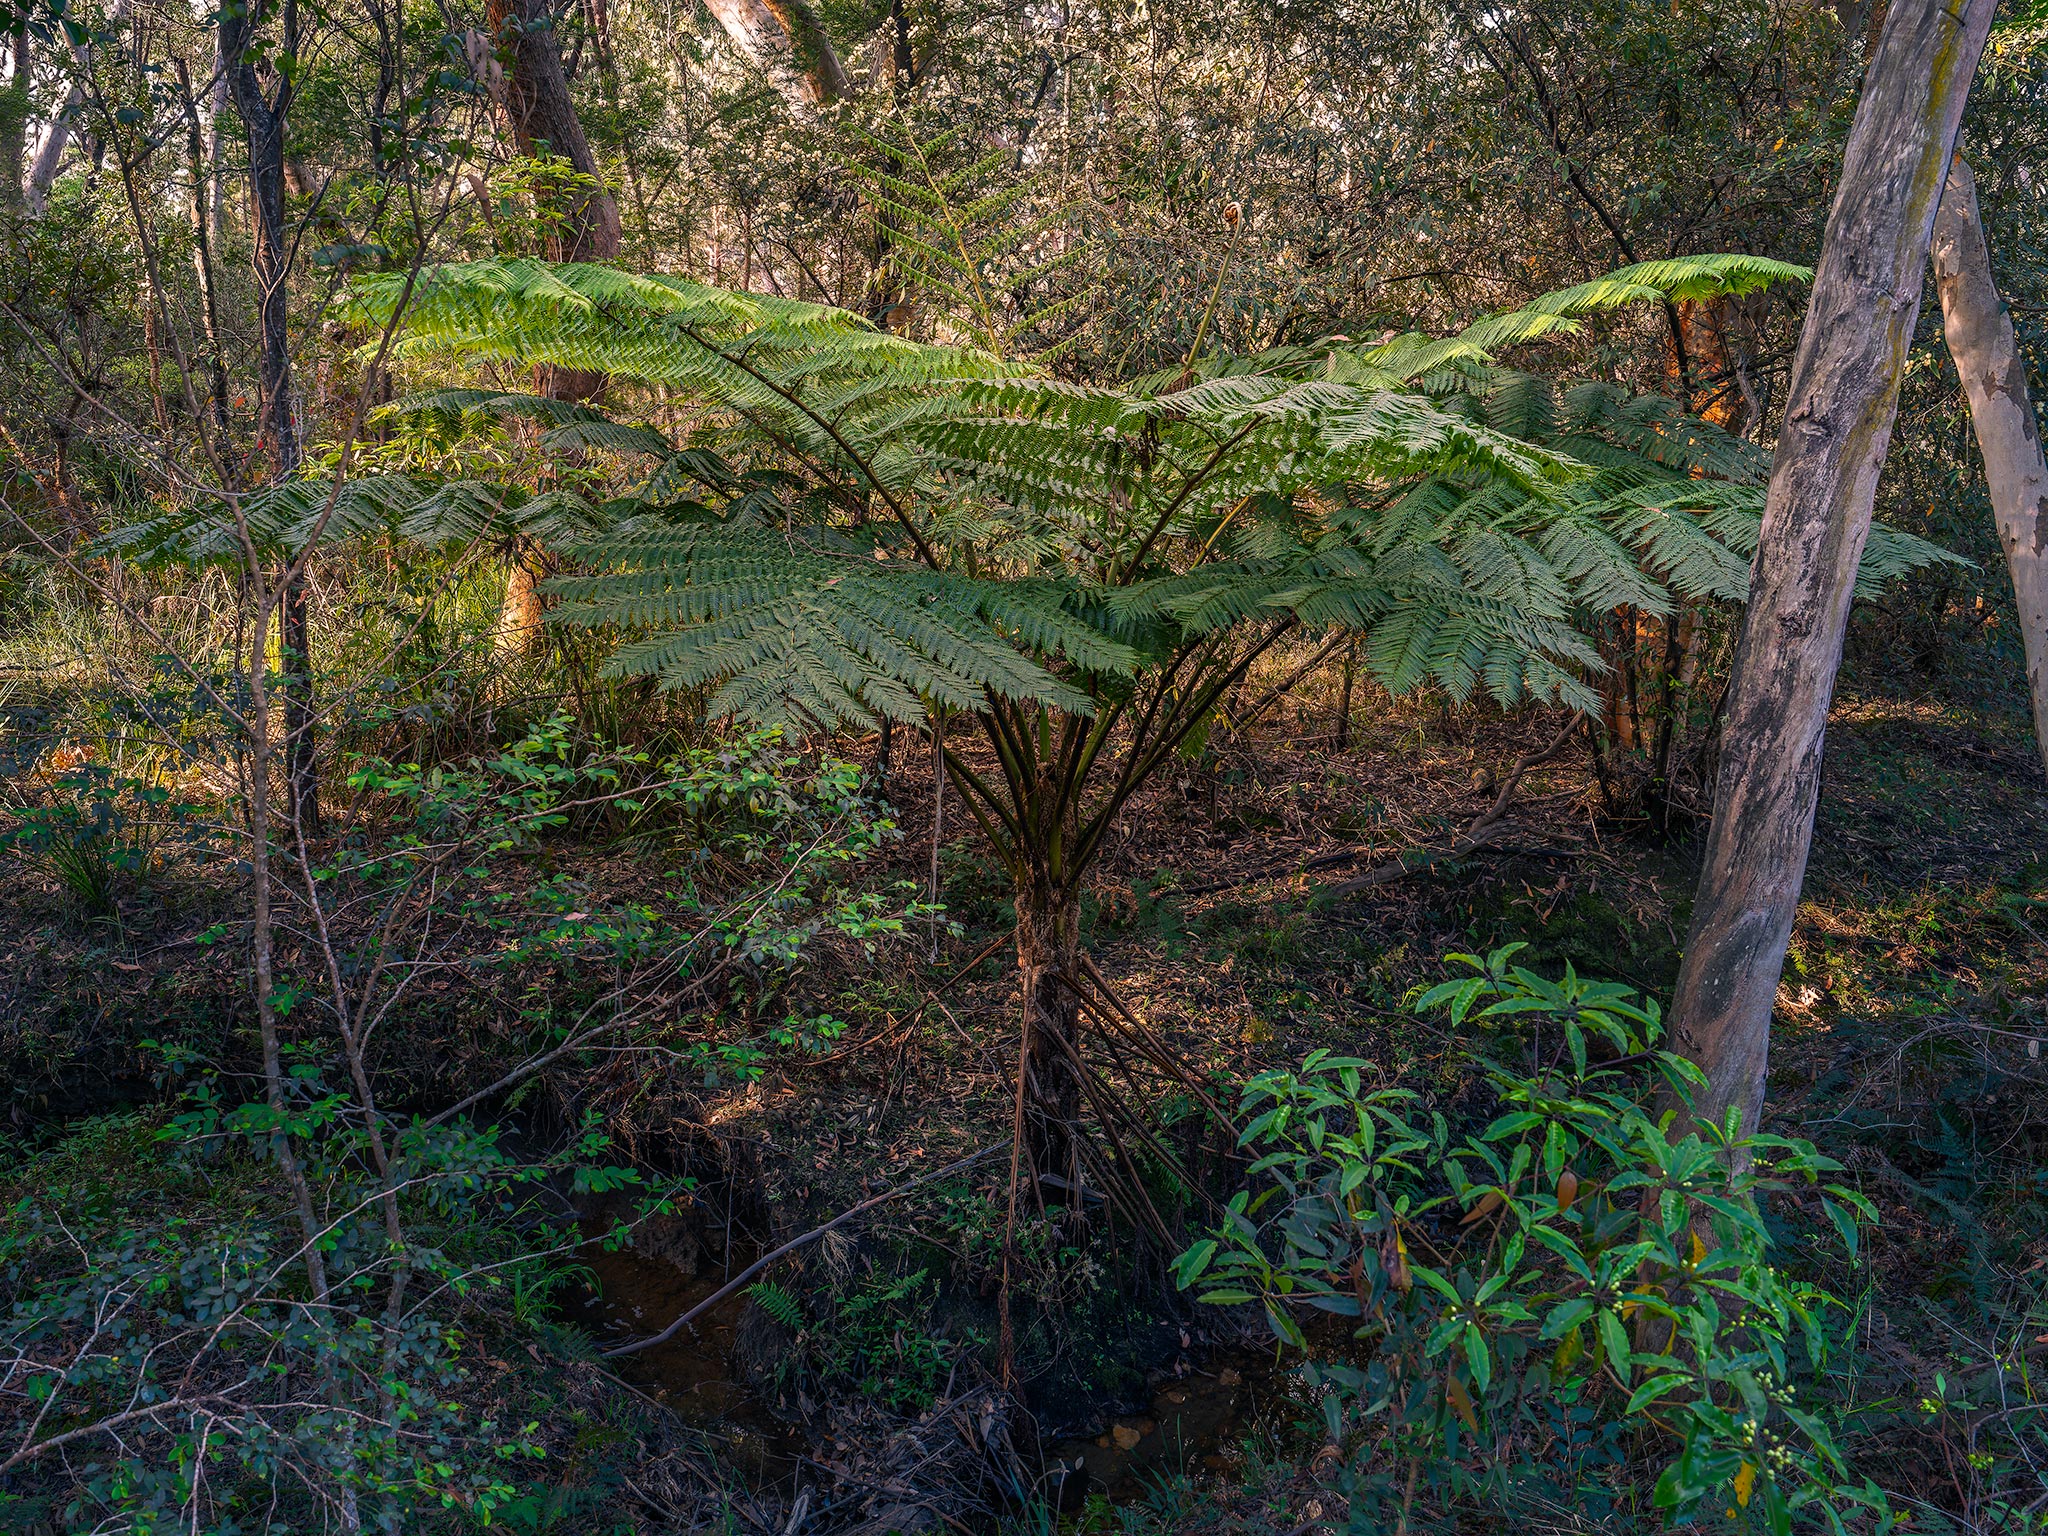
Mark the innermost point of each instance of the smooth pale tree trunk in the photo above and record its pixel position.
(1987, 355)
(217, 186)
(785, 40)
(42, 172)
(265, 117)
(1838, 422)
(534, 96)
(202, 260)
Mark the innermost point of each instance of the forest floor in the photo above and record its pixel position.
(1908, 1046)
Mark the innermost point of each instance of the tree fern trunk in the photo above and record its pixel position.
(1838, 422)
(1048, 964)
(1980, 339)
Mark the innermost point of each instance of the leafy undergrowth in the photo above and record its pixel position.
(1908, 1049)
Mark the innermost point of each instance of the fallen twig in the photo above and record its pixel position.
(753, 1269)
(1473, 837)
(890, 1032)
(1285, 868)
(1274, 694)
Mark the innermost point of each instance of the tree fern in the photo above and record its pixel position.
(850, 638)
(1226, 495)
(1088, 570)
(778, 1303)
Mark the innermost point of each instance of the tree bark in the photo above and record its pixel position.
(902, 63)
(202, 263)
(1980, 339)
(584, 226)
(216, 162)
(1049, 967)
(536, 102)
(1838, 423)
(264, 117)
(42, 173)
(787, 42)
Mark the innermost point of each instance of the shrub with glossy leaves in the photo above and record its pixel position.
(1578, 1279)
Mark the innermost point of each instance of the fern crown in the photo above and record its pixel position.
(951, 524)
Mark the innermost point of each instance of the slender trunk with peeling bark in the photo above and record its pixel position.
(522, 612)
(264, 117)
(1980, 339)
(1838, 422)
(584, 226)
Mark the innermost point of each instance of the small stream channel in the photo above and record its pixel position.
(691, 1374)
(1192, 1422)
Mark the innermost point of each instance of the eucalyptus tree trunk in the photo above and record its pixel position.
(42, 172)
(1838, 422)
(542, 114)
(265, 117)
(786, 41)
(216, 162)
(1987, 356)
(197, 169)
(583, 226)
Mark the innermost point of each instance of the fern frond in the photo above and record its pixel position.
(1463, 518)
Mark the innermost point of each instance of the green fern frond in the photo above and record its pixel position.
(1068, 536)
(778, 1304)
(514, 405)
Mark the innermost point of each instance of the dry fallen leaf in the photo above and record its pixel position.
(1488, 1203)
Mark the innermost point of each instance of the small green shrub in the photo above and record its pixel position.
(174, 1366)
(95, 833)
(1573, 1275)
